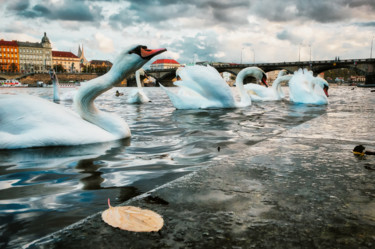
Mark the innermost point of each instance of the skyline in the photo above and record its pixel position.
(234, 32)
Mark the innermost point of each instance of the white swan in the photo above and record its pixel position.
(137, 96)
(306, 89)
(67, 96)
(28, 121)
(202, 87)
(273, 93)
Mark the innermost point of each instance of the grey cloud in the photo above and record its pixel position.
(287, 36)
(153, 12)
(67, 10)
(359, 3)
(18, 5)
(365, 24)
(321, 11)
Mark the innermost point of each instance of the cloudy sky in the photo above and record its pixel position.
(212, 30)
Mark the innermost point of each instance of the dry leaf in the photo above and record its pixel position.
(132, 218)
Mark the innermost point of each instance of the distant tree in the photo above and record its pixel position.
(84, 68)
(13, 67)
(59, 68)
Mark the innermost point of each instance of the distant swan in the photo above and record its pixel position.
(28, 121)
(272, 93)
(306, 89)
(68, 96)
(56, 85)
(137, 96)
(202, 87)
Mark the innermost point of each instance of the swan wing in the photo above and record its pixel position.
(187, 99)
(261, 93)
(137, 96)
(300, 90)
(206, 82)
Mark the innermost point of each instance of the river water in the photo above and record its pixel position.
(45, 189)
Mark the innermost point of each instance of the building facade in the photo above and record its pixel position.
(35, 57)
(164, 64)
(9, 56)
(66, 62)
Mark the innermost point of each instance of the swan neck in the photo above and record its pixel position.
(239, 85)
(88, 92)
(138, 79)
(56, 90)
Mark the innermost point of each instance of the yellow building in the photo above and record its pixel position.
(69, 61)
(9, 56)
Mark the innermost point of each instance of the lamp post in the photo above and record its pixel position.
(371, 47)
(241, 54)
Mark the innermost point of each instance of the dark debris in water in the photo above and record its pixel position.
(369, 166)
(155, 200)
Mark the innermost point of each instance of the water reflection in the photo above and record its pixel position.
(58, 186)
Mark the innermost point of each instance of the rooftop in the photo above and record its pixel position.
(63, 54)
(164, 61)
(8, 43)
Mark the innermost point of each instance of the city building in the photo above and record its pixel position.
(9, 56)
(164, 64)
(100, 66)
(35, 57)
(66, 62)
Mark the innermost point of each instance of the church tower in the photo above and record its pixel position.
(81, 56)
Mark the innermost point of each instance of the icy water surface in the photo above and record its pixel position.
(45, 189)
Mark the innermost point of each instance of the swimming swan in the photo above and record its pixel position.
(29, 121)
(304, 88)
(137, 96)
(202, 87)
(273, 93)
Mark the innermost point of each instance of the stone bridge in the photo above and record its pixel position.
(365, 67)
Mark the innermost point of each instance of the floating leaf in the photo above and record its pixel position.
(132, 218)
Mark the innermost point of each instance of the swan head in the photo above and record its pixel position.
(133, 58)
(264, 80)
(323, 84)
(282, 73)
(256, 72)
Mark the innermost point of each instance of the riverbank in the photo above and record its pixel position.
(302, 188)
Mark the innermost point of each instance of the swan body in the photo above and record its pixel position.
(304, 88)
(202, 87)
(28, 121)
(272, 93)
(137, 96)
